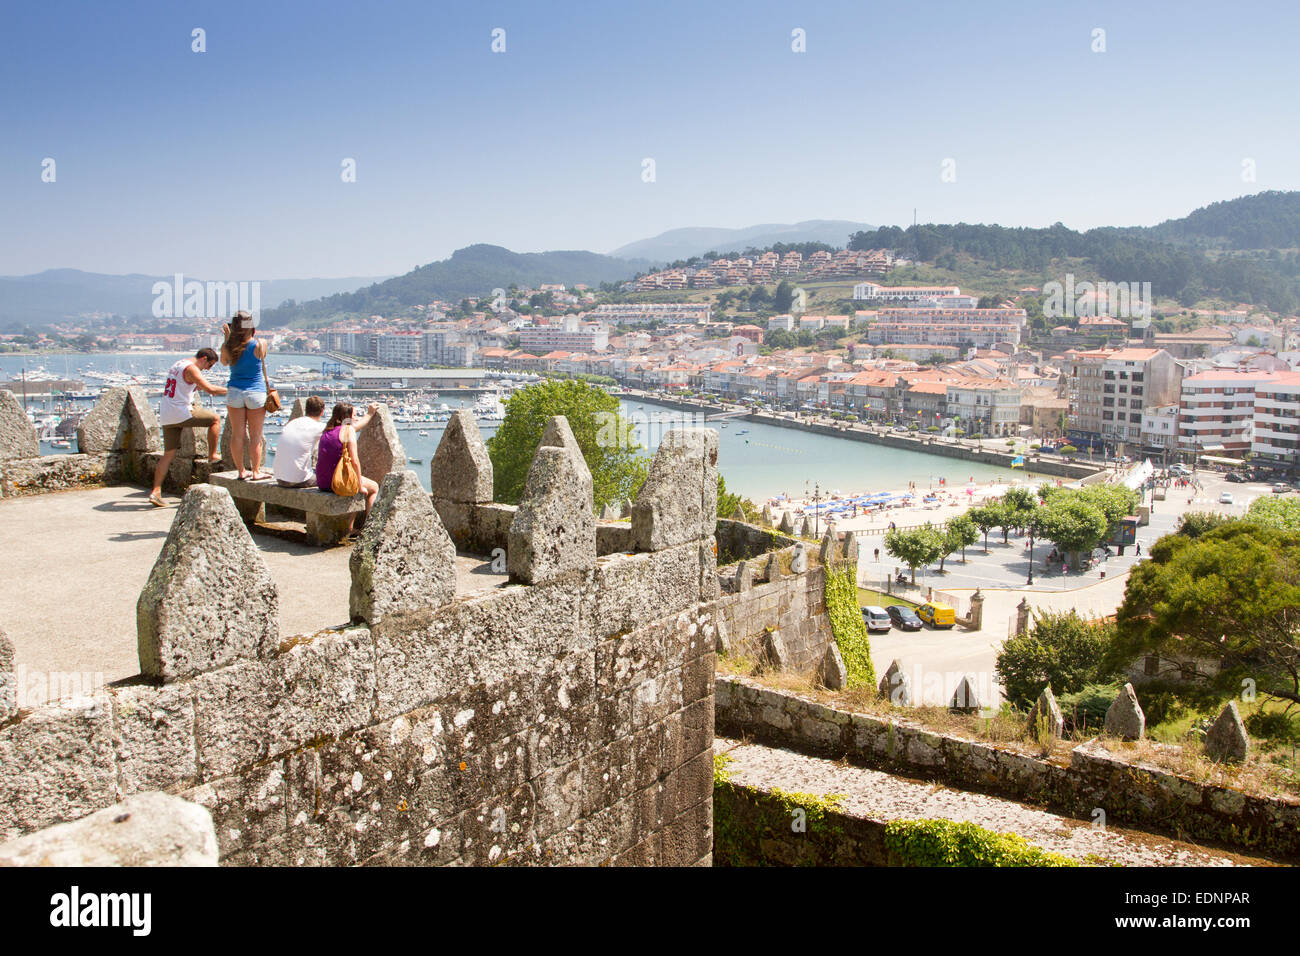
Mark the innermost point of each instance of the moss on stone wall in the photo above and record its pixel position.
(847, 627)
(774, 828)
(945, 843)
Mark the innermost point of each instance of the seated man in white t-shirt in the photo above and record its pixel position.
(295, 452)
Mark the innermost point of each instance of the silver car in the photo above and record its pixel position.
(876, 618)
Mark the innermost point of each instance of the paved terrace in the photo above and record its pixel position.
(74, 565)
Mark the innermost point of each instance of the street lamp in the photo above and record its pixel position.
(1030, 581)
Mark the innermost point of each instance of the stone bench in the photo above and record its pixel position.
(328, 515)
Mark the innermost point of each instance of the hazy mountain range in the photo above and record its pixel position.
(1250, 240)
(58, 294)
(695, 241)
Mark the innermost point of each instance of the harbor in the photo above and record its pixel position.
(769, 459)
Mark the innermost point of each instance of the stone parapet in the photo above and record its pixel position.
(568, 720)
(1130, 793)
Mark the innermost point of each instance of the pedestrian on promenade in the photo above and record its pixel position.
(178, 412)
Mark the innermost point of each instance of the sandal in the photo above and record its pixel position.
(157, 502)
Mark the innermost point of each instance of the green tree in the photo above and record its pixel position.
(1276, 511)
(605, 437)
(783, 298)
(1114, 501)
(985, 518)
(1061, 649)
(1072, 525)
(1023, 504)
(916, 547)
(960, 532)
(1196, 523)
(1231, 596)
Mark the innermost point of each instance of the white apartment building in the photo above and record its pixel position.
(570, 336)
(784, 323)
(988, 406)
(1277, 420)
(1160, 430)
(1110, 389)
(875, 292)
(981, 328)
(1217, 411)
(643, 313)
(400, 348)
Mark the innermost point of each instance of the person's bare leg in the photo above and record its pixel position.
(370, 489)
(238, 422)
(159, 473)
(214, 441)
(256, 416)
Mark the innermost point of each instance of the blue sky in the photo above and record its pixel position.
(226, 164)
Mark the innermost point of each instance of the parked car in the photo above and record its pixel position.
(900, 428)
(936, 614)
(1281, 488)
(1225, 498)
(1235, 477)
(903, 618)
(876, 618)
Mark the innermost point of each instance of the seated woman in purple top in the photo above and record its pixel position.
(341, 429)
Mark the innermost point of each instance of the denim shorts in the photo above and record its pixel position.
(239, 398)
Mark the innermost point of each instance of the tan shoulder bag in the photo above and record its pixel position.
(347, 475)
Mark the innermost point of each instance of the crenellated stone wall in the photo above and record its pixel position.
(765, 595)
(565, 717)
(25, 471)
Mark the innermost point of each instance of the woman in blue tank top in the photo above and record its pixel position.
(245, 353)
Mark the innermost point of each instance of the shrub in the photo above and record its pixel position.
(1060, 649)
(1069, 450)
(1196, 523)
(1274, 725)
(945, 843)
(1085, 709)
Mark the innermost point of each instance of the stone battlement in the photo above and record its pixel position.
(566, 716)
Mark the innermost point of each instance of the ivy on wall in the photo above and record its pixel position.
(847, 626)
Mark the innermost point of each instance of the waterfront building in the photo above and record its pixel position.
(1110, 389)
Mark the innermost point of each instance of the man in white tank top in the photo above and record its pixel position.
(183, 380)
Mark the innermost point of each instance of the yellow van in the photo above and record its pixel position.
(937, 615)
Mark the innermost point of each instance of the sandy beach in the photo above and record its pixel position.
(904, 507)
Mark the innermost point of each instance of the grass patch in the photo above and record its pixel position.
(867, 597)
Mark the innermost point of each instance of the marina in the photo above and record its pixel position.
(761, 461)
